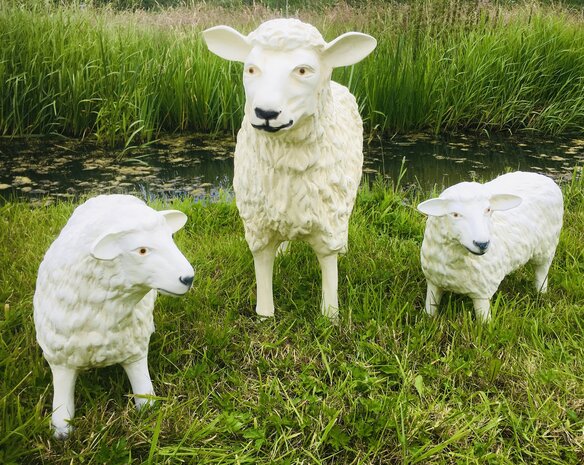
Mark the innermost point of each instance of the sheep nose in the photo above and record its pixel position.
(266, 114)
(186, 280)
(483, 246)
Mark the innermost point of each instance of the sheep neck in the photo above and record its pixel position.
(438, 238)
(109, 284)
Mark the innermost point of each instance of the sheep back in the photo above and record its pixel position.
(529, 232)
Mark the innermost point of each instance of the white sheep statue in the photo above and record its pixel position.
(96, 289)
(299, 152)
(476, 234)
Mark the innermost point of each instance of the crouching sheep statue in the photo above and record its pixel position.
(299, 151)
(96, 289)
(476, 234)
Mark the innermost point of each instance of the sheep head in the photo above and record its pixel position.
(465, 211)
(287, 63)
(146, 254)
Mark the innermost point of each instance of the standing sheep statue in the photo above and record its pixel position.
(299, 151)
(96, 289)
(476, 234)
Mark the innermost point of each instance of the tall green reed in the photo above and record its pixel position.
(448, 66)
(71, 72)
(439, 66)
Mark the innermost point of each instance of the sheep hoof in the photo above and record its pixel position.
(331, 313)
(62, 432)
(144, 401)
(264, 313)
(334, 319)
(265, 317)
(542, 287)
(484, 319)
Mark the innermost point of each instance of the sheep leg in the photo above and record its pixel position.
(63, 400)
(140, 380)
(330, 282)
(263, 261)
(433, 297)
(482, 309)
(541, 276)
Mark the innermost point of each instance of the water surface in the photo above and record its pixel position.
(41, 169)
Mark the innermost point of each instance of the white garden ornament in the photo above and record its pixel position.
(299, 151)
(96, 289)
(476, 234)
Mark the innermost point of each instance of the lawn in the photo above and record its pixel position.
(387, 385)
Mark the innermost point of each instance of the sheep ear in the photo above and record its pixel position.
(435, 207)
(106, 246)
(174, 219)
(348, 49)
(501, 202)
(227, 43)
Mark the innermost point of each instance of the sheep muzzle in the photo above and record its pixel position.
(266, 127)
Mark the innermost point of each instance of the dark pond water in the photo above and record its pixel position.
(42, 170)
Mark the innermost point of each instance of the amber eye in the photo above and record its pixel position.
(302, 71)
(456, 215)
(142, 251)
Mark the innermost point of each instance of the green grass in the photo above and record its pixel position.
(388, 385)
(127, 76)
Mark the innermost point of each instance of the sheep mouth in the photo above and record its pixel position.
(173, 294)
(266, 127)
(474, 252)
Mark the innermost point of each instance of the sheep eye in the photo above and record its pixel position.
(251, 70)
(143, 251)
(456, 215)
(488, 210)
(302, 71)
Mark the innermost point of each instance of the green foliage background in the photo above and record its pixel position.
(440, 66)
